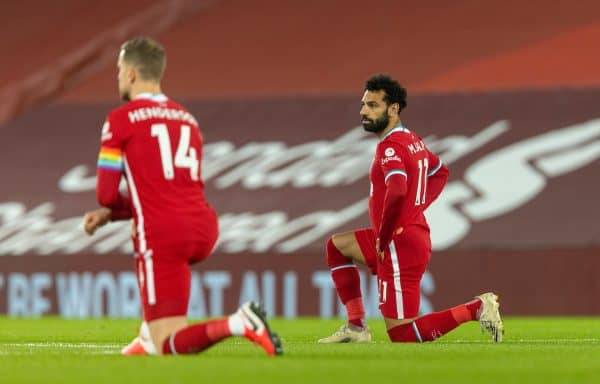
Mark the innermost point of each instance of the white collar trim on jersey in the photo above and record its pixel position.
(398, 128)
(158, 97)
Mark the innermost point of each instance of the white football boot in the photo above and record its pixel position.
(489, 316)
(348, 335)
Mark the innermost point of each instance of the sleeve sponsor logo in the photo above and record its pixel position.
(390, 152)
(386, 160)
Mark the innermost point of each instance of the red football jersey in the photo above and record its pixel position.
(403, 154)
(157, 145)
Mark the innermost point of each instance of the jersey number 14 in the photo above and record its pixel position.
(185, 157)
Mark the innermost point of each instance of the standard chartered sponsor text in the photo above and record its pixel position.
(275, 164)
(464, 202)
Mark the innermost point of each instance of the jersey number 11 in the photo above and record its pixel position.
(422, 183)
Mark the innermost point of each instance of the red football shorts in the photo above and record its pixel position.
(164, 276)
(399, 274)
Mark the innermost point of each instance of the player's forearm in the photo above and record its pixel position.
(435, 185)
(388, 223)
(119, 205)
(392, 205)
(108, 194)
(123, 212)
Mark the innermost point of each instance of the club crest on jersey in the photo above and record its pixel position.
(389, 152)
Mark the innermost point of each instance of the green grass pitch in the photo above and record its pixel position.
(535, 350)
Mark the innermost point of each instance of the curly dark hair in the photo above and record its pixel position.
(394, 92)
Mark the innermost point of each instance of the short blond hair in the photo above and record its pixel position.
(147, 55)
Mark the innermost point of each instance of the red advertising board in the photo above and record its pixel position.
(519, 214)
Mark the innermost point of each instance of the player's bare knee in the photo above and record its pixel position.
(162, 329)
(344, 242)
(392, 323)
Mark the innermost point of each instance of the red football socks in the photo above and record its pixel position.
(197, 337)
(356, 312)
(347, 283)
(434, 325)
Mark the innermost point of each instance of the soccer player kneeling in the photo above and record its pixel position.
(156, 145)
(405, 179)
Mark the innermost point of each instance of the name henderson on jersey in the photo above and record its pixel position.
(146, 113)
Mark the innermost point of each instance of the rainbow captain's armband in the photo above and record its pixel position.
(110, 159)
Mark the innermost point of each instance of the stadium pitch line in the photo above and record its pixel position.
(526, 341)
(59, 347)
(30, 348)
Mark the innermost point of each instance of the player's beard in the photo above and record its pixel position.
(377, 125)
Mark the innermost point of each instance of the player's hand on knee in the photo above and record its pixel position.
(378, 249)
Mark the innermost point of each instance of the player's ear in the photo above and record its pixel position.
(132, 74)
(393, 109)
